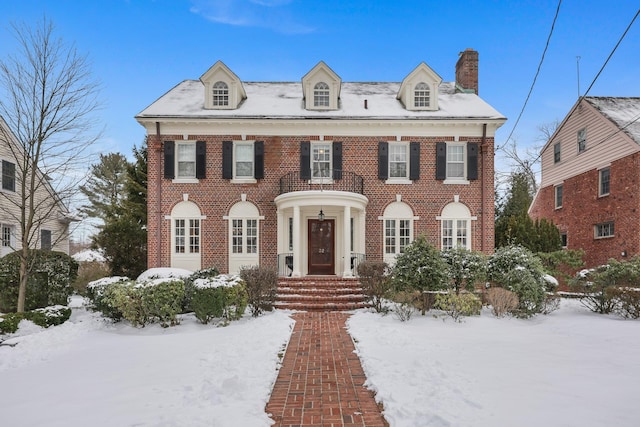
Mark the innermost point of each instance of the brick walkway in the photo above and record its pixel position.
(321, 380)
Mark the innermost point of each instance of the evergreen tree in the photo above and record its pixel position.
(105, 188)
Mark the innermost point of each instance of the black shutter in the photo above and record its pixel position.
(258, 159)
(227, 159)
(201, 159)
(383, 160)
(441, 160)
(472, 161)
(305, 160)
(337, 160)
(169, 159)
(414, 161)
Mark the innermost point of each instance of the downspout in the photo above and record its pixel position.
(483, 147)
(159, 200)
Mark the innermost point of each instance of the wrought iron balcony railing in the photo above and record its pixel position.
(345, 181)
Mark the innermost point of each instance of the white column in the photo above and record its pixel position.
(346, 239)
(297, 244)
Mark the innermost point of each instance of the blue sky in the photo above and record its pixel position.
(142, 48)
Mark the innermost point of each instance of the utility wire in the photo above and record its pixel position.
(553, 24)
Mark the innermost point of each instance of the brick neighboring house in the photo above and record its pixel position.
(54, 218)
(591, 179)
(314, 176)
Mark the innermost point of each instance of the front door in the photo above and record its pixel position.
(321, 246)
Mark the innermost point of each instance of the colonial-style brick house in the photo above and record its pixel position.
(314, 176)
(591, 179)
(52, 219)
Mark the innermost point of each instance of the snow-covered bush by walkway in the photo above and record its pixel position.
(223, 296)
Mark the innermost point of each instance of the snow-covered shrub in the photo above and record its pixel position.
(100, 293)
(458, 305)
(421, 268)
(376, 282)
(403, 306)
(162, 300)
(502, 301)
(262, 288)
(597, 286)
(126, 299)
(628, 301)
(465, 268)
(205, 273)
(517, 269)
(50, 279)
(223, 296)
(44, 317)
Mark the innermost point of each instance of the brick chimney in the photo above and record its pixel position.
(467, 71)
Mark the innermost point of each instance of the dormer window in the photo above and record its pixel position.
(421, 95)
(321, 95)
(220, 95)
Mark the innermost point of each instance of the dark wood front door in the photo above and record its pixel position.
(321, 246)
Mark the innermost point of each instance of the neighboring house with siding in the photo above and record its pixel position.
(52, 218)
(590, 184)
(317, 175)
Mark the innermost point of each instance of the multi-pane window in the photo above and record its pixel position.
(421, 95)
(455, 161)
(244, 160)
(604, 230)
(321, 95)
(8, 176)
(556, 153)
(454, 233)
(187, 240)
(397, 235)
(558, 190)
(582, 140)
(220, 94)
(194, 236)
(563, 239)
(321, 161)
(605, 178)
(398, 161)
(186, 158)
(7, 232)
(244, 237)
(45, 239)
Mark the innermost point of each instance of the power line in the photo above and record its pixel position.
(544, 52)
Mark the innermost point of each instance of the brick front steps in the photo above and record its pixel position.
(320, 293)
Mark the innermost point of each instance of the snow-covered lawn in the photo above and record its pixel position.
(570, 368)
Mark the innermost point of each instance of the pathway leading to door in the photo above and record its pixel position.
(321, 379)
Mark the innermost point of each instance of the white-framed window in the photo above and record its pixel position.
(187, 236)
(8, 176)
(321, 160)
(397, 223)
(604, 181)
(455, 233)
(321, 95)
(398, 161)
(185, 160)
(582, 140)
(455, 161)
(556, 152)
(243, 157)
(422, 95)
(455, 226)
(604, 230)
(220, 94)
(244, 235)
(7, 236)
(558, 196)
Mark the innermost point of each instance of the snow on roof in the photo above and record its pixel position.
(88, 255)
(623, 111)
(285, 101)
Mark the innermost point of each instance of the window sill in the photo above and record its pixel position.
(603, 195)
(604, 237)
(456, 181)
(322, 181)
(243, 181)
(401, 181)
(185, 181)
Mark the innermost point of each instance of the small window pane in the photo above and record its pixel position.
(422, 95)
(447, 234)
(186, 160)
(556, 153)
(8, 176)
(237, 232)
(390, 236)
(604, 230)
(605, 177)
(455, 161)
(558, 196)
(321, 161)
(244, 161)
(194, 236)
(461, 233)
(220, 94)
(6, 236)
(180, 233)
(252, 236)
(582, 140)
(405, 234)
(321, 95)
(397, 160)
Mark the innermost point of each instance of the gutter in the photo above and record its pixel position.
(159, 200)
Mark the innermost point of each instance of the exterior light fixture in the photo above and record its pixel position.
(321, 215)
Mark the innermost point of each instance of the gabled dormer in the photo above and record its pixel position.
(223, 90)
(419, 90)
(321, 88)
